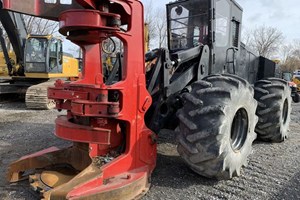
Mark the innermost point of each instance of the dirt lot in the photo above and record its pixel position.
(273, 171)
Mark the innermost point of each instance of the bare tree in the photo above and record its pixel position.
(161, 28)
(246, 36)
(291, 64)
(39, 26)
(286, 52)
(150, 20)
(265, 40)
(290, 58)
(7, 42)
(157, 25)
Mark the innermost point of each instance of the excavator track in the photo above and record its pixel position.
(36, 97)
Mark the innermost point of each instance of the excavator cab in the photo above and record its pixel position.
(38, 56)
(44, 58)
(43, 54)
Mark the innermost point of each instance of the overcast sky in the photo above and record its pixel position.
(282, 14)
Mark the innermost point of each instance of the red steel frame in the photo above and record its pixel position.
(88, 98)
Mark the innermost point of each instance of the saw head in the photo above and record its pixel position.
(114, 153)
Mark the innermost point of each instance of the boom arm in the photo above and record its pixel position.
(5, 52)
(14, 25)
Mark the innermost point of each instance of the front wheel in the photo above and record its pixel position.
(217, 124)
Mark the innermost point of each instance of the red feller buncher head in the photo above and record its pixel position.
(113, 152)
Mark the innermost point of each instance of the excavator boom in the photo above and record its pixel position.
(41, 8)
(14, 25)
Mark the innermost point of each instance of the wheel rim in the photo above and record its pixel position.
(285, 111)
(239, 129)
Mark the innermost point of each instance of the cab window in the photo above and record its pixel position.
(222, 23)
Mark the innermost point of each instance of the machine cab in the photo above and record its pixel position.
(43, 54)
(188, 24)
(215, 23)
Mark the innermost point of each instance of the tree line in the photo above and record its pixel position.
(271, 43)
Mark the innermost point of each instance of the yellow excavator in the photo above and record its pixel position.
(35, 63)
(296, 80)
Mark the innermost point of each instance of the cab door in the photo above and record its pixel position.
(55, 56)
(227, 30)
(221, 32)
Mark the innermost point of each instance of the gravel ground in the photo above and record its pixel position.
(273, 171)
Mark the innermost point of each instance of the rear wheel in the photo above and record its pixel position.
(217, 125)
(296, 98)
(274, 109)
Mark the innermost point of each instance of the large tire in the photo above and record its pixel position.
(274, 109)
(217, 123)
(296, 98)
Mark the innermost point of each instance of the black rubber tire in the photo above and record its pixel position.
(296, 98)
(274, 109)
(206, 126)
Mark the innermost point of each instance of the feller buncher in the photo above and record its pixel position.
(36, 62)
(207, 88)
